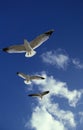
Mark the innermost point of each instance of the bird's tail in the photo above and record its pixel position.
(30, 54)
(41, 97)
(27, 82)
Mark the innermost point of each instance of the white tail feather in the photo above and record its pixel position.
(27, 82)
(30, 54)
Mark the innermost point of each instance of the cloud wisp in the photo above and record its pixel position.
(81, 117)
(47, 114)
(77, 63)
(57, 58)
(60, 59)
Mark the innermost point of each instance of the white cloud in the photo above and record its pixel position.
(60, 89)
(77, 63)
(81, 116)
(42, 120)
(48, 115)
(59, 58)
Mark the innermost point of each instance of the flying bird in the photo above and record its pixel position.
(40, 95)
(28, 47)
(28, 78)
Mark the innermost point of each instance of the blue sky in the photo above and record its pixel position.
(59, 59)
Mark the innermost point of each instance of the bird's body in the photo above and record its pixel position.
(40, 95)
(28, 47)
(28, 78)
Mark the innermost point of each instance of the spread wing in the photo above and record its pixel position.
(36, 77)
(44, 93)
(39, 94)
(40, 39)
(22, 75)
(15, 49)
(34, 95)
(33, 44)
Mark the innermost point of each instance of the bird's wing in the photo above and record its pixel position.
(22, 75)
(40, 39)
(33, 44)
(27, 46)
(39, 94)
(15, 49)
(44, 93)
(34, 95)
(36, 77)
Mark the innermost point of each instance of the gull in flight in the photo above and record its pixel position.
(28, 47)
(40, 95)
(27, 78)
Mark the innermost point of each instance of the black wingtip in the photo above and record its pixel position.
(17, 73)
(29, 95)
(49, 32)
(5, 49)
(42, 78)
(47, 91)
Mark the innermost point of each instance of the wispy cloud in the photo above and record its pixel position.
(77, 63)
(59, 89)
(42, 119)
(59, 58)
(81, 116)
(48, 114)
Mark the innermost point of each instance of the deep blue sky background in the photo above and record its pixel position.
(27, 19)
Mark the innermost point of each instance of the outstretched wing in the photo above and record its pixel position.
(33, 44)
(39, 94)
(15, 49)
(34, 95)
(36, 77)
(44, 93)
(40, 39)
(22, 75)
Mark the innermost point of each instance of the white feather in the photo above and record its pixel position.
(27, 82)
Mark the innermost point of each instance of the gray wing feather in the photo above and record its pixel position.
(33, 95)
(40, 39)
(36, 77)
(15, 49)
(22, 75)
(39, 94)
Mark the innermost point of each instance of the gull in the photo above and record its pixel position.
(28, 47)
(40, 95)
(28, 79)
